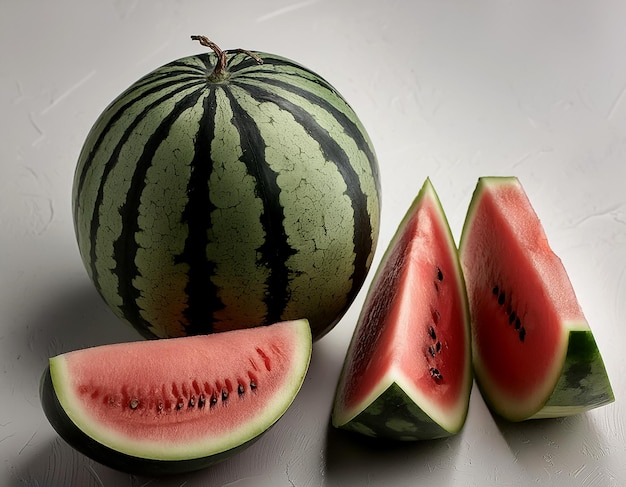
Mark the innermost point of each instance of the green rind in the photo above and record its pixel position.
(583, 383)
(394, 415)
(86, 445)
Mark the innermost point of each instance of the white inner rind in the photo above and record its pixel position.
(181, 447)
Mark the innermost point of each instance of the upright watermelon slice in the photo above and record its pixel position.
(407, 373)
(175, 405)
(534, 353)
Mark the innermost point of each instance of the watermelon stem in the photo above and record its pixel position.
(220, 72)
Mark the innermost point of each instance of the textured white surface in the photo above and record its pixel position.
(447, 89)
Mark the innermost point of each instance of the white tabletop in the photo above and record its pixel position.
(448, 89)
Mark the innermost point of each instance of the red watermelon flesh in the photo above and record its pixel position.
(176, 399)
(532, 347)
(407, 372)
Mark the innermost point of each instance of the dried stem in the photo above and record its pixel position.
(220, 73)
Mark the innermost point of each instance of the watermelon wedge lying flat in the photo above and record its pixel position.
(407, 373)
(534, 353)
(176, 405)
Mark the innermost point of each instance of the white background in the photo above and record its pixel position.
(447, 89)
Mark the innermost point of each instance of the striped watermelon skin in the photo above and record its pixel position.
(204, 206)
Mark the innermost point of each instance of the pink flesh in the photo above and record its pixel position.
(400, 311)
(123, 386)
(508, 247)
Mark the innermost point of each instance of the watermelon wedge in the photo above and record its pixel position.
(533, 351)
(407, 373)
(175, 405)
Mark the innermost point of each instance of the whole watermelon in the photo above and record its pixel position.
(225, 190)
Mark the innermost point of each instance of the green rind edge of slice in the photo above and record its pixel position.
(583, 383)
(394, 416)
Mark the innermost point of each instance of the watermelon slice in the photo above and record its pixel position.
(407, 373)
(534, 353)
(175, 405)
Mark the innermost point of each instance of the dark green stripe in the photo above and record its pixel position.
(125, 247)
(245, 62)
(276, 250)
(363, 243)
(183, 66)
(173, 69)
(202, 297)
(351, 127)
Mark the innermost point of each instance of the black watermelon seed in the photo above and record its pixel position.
(431, 332)
(192, 401)
(180, 404)
(522, 334)
(438, 346)
(201, 401)
(435, 374)
(213, 400)
(241, 389)
(512, 317)
(252, 385)
(496, 290)
(436, 315)
(518, 323)
(224, 394)
(431, 351)
(439, 274)
(501, 298)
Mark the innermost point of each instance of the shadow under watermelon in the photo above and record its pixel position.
(360, 460)
(56, 464)
(558, 448)
(69, 317)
